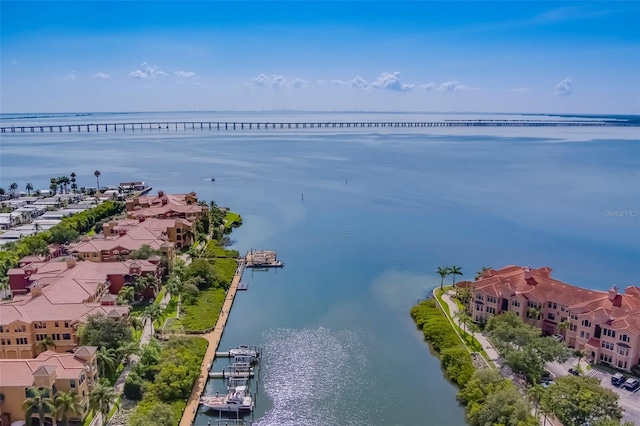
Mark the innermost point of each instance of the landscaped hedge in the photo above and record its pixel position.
(438, 331)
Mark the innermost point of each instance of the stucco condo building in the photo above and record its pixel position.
(163, 206)
(52, 372)
(604, 324)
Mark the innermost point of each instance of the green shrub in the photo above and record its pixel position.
(133, 387)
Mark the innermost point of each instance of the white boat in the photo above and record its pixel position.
(243, 350)
(236, 400)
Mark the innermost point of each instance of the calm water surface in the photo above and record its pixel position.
(381, 211)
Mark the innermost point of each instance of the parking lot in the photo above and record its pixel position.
(629, 401)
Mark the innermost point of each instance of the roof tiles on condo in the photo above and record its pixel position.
(20, 372)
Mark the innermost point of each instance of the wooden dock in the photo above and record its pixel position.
(213, 337)
(227, 375)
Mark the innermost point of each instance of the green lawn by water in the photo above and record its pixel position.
(203, 314)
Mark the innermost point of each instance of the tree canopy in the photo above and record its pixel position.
(576, 401)
(523, 347)
(100, 330)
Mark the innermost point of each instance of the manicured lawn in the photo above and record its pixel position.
(169, 312)
(203, 314)
(160, 295)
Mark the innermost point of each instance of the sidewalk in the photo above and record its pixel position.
(491, 351)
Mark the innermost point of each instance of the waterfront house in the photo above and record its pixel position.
(75, 372)
(180, 232)
(606, 325)
(163, 206)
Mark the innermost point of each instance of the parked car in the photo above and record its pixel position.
(558, 337)
(631, 384)
(574, 371)
(618, 379)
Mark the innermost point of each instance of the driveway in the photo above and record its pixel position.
(629, 401)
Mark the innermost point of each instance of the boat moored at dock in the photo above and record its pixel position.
(237, 400)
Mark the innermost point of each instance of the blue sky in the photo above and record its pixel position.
(518, 56)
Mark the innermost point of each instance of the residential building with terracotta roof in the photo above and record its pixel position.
(606, 325)
(51, 371)
(180, 232)
(162, 206)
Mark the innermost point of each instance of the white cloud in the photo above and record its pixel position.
(454, 86)
(146, 71)
(185, 74)
(359, 83)
(71, 76)
(519, 90)
(391, 81)
(277, 82)
(427, 86)
(565, 87)
(102, 75)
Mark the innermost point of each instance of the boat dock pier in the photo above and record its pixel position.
(263, 259)
(213, 337)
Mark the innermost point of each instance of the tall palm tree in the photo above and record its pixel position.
(13, 187)
(2, 191)
(443, 274)
(53, 186)
(534, 314)
(29, 188)
(535, 395)
(63, 181)
(97, 175)
(106, 360)
(74, 186)
(39, 402)
(101, 398)
(68, 404)
(481, 271)
(455, 270)
(564, 326)
(45, 345)
(174, 285)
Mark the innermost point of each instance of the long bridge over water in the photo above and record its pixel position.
(178, 126)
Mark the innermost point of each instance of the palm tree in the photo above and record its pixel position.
(580, 354)
(29, 188)
(68, 404)
(63, 181)
(97, 175)
(100, 400)
(37, 193)
(39, 402)
(443, 274)
(174, 285)
(125, 351)
(152, 312)
(534, 313)
(136, 323)
(106, 360)
(2, 191)
(126, 294)
(462, 320)
(455, 270)
(45, 344)
(535, 394)
(481, 271)
(564, 326)
(12, 188)
(74, 187)
(53, 186)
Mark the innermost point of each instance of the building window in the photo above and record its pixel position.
(622, 364)
(178, 230)
(20, 329)
(66, 336)
(582, 334)
(609, 333)
(586, 323)
(55, 336)
(607, 345)
(57, 324)
(66, 324)
(491, 310)
(515, 303)
(624, 338)
(21, 341)
(4, 341)
(551, 316)
(623, 351)
(40, 325)
(605, 358)
(72, 384)
(573, 327)
(479, 297)
(491, 299)
(562, 308)
(81, 379)
(40, 337)
(479, 308)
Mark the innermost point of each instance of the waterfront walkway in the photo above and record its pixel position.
(490, 350)
(213, 338)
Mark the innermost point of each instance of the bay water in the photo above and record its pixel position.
(362, 218)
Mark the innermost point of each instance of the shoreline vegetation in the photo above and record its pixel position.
(488, 397)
